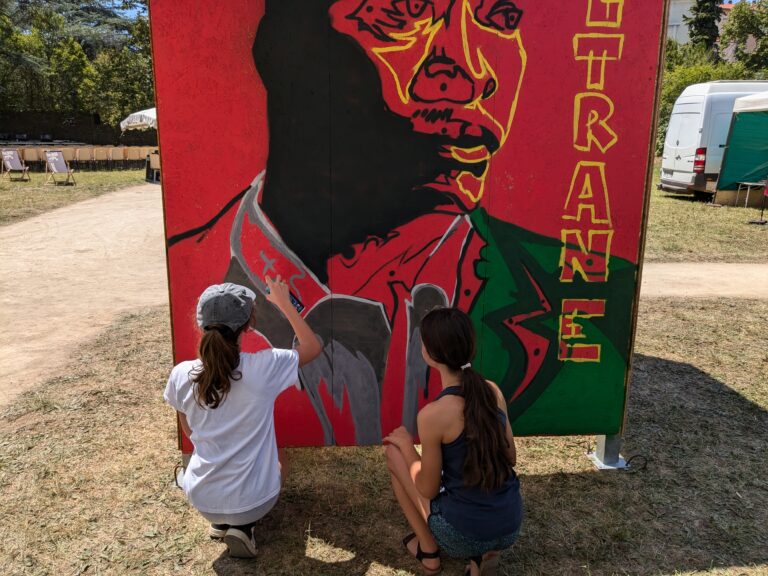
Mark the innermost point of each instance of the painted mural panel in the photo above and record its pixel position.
(390, 156)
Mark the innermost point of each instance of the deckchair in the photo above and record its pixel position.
(12, 162)
(55, 164)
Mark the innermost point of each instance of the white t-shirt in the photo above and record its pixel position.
(234, 466)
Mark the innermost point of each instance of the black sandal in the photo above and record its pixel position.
(421, 555)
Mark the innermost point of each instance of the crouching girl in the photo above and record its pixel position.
(225, 400)
(461, 496)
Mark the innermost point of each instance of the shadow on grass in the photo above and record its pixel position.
(697, 198)
(702, 501)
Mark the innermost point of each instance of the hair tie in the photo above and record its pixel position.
(225, 331)
(467, 365)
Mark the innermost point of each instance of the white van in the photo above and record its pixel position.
(697, 134)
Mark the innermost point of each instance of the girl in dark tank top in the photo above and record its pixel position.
(461, 496)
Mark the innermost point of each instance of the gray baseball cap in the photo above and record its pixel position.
(228, 304)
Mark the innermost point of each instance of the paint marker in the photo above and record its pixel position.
(295, 301)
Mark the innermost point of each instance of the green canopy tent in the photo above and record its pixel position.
(746, 153)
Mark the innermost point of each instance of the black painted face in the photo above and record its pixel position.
(342, 167)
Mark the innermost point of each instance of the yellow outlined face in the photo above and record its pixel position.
(453, 67)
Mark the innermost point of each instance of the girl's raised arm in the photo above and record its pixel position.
(309, 347)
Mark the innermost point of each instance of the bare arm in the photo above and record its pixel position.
(309, 347)
(184, 424)
(431, 434)
(425, 469)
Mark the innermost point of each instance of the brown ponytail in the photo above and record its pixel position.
(488, 463)
(219, 352)
(449, 338)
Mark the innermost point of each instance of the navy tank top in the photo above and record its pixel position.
(472, 511)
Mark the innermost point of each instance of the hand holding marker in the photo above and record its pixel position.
(281, 293)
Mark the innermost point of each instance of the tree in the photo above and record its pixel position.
(123, 84)
(686, 55)
(748, 23)
(95, 24)
(702, 23)
(75, 56)
(71, 76)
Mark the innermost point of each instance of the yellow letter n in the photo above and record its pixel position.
(590, 259)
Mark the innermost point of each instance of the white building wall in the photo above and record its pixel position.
(676, 27)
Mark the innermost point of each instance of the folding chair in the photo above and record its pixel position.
(154, 167)
(31, 157)
(117, 155)
(100, 156)
(69, 154)
(84, 156)
(55, 164)
(12, 162)
(133, 156)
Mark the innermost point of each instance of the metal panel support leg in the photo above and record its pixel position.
(607, 453)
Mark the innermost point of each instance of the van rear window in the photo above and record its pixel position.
(683, 131)
(687, 107)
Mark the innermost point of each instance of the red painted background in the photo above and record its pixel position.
(213, 137)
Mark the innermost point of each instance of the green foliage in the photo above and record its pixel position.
(123, 84)
(702, 23)
(685, 55)
(681, 76)
(80, 56)
(748, 23)
(71, 76)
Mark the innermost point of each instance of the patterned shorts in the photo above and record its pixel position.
(456, 544)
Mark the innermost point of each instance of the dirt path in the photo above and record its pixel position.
(67, 274)
(705, 280)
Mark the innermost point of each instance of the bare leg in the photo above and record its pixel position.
(413, 505)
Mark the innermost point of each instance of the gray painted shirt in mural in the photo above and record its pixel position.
(355, 333)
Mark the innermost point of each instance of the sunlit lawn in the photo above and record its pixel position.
(21, 200)
(683, 229)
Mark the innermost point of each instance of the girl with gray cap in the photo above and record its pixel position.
(225, 400)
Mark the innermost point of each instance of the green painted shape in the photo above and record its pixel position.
(563, 397)
(746, 158)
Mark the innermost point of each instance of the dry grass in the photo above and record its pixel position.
(21, 200)
(86, 461)
(684, 229)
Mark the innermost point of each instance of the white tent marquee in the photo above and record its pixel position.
(752, 103)
(140, 120)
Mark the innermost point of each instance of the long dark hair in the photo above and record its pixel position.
(219, 352)
(449, 338)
